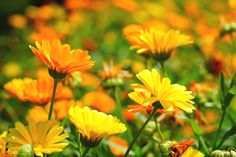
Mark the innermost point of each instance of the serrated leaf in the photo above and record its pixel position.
(228, 134)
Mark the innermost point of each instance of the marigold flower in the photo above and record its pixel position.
(192, 152)
(40, 91)
(94, 125)
(36, 91)
(177, 149)
(60, 59)
(15, 87)
(100, 101)
(117, 145)
(37, 114)
(44, 139)
(159, 43)
(155, 89)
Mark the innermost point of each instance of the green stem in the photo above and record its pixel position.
(119, 110)
(139, 132)
(85, 152)
(202, 142)
(163, 69)
(118, 104)
(159, 129)
(220, 126)
(53, 98)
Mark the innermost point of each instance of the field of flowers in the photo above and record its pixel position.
(107, 78)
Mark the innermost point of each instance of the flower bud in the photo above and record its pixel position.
(26, 150)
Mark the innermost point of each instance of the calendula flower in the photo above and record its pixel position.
(157, 89)
(37, 114)
(178, 148)
(100, 101)
(40, 91)
(43, 138)
(94, 125)
(192, 152)
(60, 59)
(15, 87)
(159, 43)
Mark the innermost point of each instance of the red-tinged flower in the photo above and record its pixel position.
(179, 148)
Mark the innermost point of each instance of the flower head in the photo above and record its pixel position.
(100, 101)
(94, 125)
(60, 59)
(159, 43)
(41, 136)
(179, 148)
(157, 89)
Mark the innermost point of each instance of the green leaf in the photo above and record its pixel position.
(229, 133)
(232, 90)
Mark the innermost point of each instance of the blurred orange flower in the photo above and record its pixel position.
(37, 114)
(60, 59)
(126, 5)
(40, 91)
(100, 101)
(89, 79)
(44, 32)
(129, 116)
(15, 87)
(17, 21)
(36, 91)
(117, 145)
(61, 108)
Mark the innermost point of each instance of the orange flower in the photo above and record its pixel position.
(15, 88)
(44, 32)
(60, 59)
(100, 101)
(40, 91)
(17, 21)
(179, 148)
(126, 5)
(36, 91)
(89, 79)
(129, 116)
(37, 114)
(117, 145)
(61, 108)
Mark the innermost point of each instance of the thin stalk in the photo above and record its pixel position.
(119, 110)
(53, 98)
(220, 126)
(85, 152)
(159, 129)
(139, 132)
(163, 69)
(118, 104)
(204, 146)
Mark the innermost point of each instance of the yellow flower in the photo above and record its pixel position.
(159, 43)
(94, 125)
(192, 152)
(157, 89)
(60, 59)
(41, 136)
